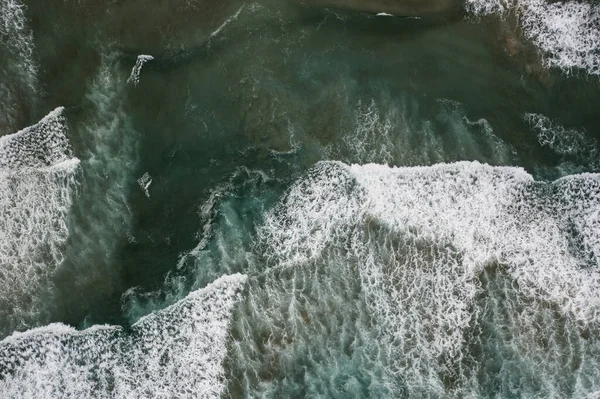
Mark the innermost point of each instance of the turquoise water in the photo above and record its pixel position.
(278, 199)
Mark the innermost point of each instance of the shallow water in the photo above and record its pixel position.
(411, 202)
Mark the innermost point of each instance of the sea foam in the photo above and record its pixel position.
(422, 239)
(567, 33)
(562, 140)
(38, 179)
(176, 352)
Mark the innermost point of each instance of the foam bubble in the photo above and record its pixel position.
(38, 178)
(176, 352)
(420, 239)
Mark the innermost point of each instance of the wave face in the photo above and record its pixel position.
(176, 352)
(567, 33)
(456, 264)
(38, 180)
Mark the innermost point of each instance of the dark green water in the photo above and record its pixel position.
(421, 276)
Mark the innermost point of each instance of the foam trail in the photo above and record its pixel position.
(383, 134)
(137, 68)
(38, 179)
(229, 20)
(144, 182)
(567, 33)
(44, 144)
(101, 217)
(176, 352)
(561, 140)
(420, 239)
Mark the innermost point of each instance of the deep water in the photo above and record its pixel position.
(276, 199)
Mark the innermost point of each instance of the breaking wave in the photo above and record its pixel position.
(38, 180)
(567, 33)
(176, 352)
(389, 281)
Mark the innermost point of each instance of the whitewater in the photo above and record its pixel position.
(300, 199)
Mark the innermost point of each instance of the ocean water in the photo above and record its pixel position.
(281, 198)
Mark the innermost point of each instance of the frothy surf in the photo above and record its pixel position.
(567, 33)
(38, 179)
(176, 352)
(423, 242)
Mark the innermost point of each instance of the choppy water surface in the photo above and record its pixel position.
(299, 199)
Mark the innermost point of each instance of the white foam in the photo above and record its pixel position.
(144, 182)
(372, 138)
(399, 135)
(229, 20)
(38, 178)
(176, 352)
(567, 33)
(561, 140)
(137, 68)
(42, 144)
(421, 237)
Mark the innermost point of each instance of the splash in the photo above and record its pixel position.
(176, 352)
